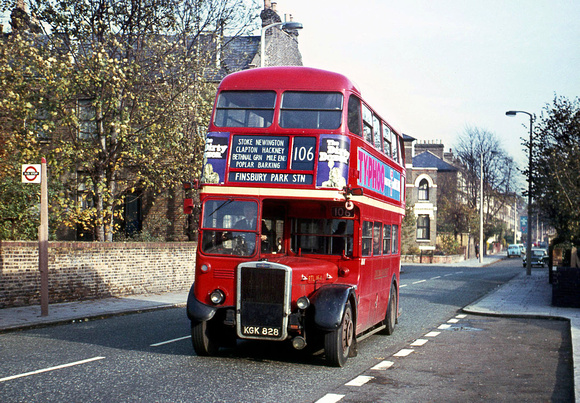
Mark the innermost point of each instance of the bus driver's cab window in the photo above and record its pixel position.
(229, 227)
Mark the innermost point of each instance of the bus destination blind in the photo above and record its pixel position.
(267, 153)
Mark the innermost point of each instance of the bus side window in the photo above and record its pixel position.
(354, 115)
(386, 239)
(396, 148)
(377, 133)
(387, 142)
(377, 241)
(367, 238)
(367, 124)
(395, 240)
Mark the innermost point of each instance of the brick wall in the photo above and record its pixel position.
(85, 270)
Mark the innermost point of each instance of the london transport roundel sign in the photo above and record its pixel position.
(31, 173)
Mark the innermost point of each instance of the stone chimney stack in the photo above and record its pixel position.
(269, 15)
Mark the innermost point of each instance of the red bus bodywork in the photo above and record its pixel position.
(319, 257)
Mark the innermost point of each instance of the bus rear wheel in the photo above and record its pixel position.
(391, 316)
(337, 343)
(203, 341)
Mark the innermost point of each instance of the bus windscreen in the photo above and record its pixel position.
(245, 109)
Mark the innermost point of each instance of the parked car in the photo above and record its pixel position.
(539, 257)
(514, 250)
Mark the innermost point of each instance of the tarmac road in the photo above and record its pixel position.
(477, 359)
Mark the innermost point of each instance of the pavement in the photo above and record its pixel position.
(523, 296)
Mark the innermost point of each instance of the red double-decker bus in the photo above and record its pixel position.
(302, 197)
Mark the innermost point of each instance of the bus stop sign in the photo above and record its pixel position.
(31, 173)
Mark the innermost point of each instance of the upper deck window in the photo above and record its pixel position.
(377, 132)
(354, 115)
(387, 141)
(311, 110)
(367, 124)
(245, 109)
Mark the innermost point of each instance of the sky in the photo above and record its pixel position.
(432, 68)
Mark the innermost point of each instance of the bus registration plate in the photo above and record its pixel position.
(261, 331)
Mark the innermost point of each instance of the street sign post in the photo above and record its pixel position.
(36, 173)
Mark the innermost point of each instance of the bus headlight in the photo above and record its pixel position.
(303, 303)
(204, 268)
(217, 297)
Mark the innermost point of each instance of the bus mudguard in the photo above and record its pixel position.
(198, 311)
(328, 303)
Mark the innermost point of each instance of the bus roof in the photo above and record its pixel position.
(287, 78)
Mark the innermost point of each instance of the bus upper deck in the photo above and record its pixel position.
(297, 127)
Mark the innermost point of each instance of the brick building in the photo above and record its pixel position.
(428, 166)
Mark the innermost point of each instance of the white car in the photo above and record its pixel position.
(514, 250)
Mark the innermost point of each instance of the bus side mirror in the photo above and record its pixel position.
(187, 206)
(191, 185)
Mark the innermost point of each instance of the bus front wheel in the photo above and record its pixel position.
(204, 343)
(337, 343)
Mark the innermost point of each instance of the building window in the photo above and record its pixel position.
(423, 224)
(424, 190)
(86, 118)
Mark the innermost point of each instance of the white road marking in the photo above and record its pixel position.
(359, 380)
(169, 341)
(40, 371)
(419, 342)
(444, 326)
(330, 398)
(461, 316)
(403, 285)
(432, 334)
(404, 352)
(435, 278)
(453, 321)
(447, 275)
(381, 366)
(420, 281)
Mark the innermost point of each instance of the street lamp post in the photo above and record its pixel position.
(481, 208)
(529, 239)
(284, 25)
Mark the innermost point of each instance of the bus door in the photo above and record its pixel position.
(272, 239)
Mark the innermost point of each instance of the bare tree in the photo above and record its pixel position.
(476, 149)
